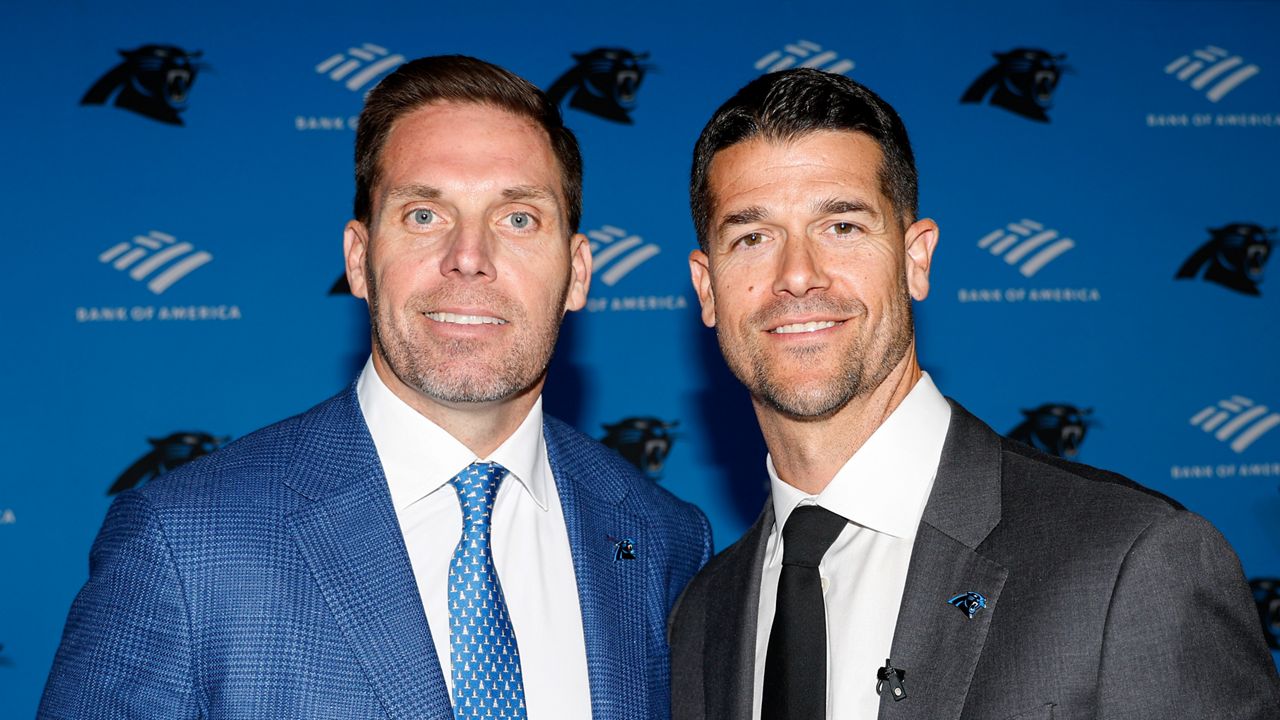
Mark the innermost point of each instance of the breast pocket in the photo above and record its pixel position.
(1044, 712)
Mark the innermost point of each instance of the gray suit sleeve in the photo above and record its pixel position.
(126, 647)
(1182, 637)
(685, 629)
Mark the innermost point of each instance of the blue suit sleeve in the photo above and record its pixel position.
(126, 648)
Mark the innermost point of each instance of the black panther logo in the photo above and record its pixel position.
(1266, 593)
(643, 441)
(623, 548)
(153, 80)
(969, 603)
(1022, 81)
(1054, 428)
(1233, 257)
(604, 83)
(166, 454)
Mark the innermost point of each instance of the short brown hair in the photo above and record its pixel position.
(785, 105)
(458, 78)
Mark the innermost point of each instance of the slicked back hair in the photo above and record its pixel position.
(462, 79)
(786, 105)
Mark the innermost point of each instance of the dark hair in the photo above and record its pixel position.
(458, 78)
(784, 105)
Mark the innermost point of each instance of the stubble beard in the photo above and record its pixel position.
(863, 367)
(460, 370)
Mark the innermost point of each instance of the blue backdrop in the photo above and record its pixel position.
(177, 177)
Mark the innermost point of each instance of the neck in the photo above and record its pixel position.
(808, 452)
(481, 427)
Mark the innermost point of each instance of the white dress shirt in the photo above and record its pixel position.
(530, 545)
(882, 491)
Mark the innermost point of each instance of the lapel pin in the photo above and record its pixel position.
(623, 549)
(969, 603)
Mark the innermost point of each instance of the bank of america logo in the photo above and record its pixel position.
(157, 258)
(1027, 244)
(1236, 419)
(615, 253)
(359, 65)
(806, 54)
(1212, 66)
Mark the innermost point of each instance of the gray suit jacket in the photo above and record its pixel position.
(1104, 600)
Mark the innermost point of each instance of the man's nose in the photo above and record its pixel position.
(799, 268)
(470, 252)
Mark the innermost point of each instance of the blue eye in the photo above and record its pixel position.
(521, 220)
(422, 216)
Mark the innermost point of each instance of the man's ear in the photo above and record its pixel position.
(579, 272)
(921, 239)
(700, 274)
(355, 250)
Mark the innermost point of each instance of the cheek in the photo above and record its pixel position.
(398, 279)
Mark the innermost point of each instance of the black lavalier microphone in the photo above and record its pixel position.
(894, 677)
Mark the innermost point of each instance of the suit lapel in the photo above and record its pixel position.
(935, 643)
(732, 608)
(351, 541)
(618, 597)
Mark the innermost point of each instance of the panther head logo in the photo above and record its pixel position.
(1054, 428)
(1022, 81)
(1266, 593)
(166, 454)
(969, 603)
(604, 83)
(1233, 257)
(153, 80)
(643, 441)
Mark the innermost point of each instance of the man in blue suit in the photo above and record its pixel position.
(426, 544)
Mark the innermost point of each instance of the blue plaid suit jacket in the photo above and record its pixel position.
(270, 580)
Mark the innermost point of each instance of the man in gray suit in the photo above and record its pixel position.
(911, 563)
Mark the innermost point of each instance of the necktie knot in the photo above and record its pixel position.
(808, 534)
(477, 486)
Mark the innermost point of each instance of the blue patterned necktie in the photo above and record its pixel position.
(486, 662)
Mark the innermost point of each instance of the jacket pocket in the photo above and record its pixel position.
(1044, 712)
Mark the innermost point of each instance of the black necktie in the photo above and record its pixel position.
(795, 668)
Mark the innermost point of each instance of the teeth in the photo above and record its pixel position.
(804, 327)
(465, 319)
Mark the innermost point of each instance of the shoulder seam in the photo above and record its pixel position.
(196, 687)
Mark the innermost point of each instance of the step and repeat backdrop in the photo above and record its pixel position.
(177, 175)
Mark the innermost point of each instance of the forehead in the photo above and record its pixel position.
(469, 142)
(763, 171)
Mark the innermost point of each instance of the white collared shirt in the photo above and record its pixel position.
(882, 491)
(530, 544)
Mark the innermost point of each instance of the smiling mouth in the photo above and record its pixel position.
(455, 319)
(807, 327)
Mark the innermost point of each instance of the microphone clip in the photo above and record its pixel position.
(894, 677)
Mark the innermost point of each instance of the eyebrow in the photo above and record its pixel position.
(834, 206)
(745, 216)
(531, 192)
(414, 192)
